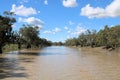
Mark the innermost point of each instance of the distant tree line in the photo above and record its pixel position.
(58, 43)
(108, 37)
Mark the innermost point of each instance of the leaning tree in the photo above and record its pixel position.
(6, 23)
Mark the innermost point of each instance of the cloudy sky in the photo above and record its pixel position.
(62, 19)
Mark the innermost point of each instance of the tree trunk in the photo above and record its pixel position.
(0, 50)
(19, 45)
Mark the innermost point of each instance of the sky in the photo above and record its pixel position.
(59, 20)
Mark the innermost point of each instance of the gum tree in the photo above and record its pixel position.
(6, 23)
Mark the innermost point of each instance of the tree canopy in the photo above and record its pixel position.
(108, 37)
(30, 36)
(6, 23)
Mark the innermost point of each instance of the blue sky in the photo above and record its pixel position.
(62, 19)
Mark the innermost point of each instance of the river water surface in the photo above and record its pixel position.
(59, 63)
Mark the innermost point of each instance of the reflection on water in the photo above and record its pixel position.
(59, 63)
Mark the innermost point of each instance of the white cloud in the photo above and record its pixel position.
(66, 28)
(54, 31)
(112, 25)
(38, 11)
(91, 12)
(13, 25)
(68, 37)
(69, 31)
(57, 30)
(79, 30)
(70, 3)
(32, 21)
(23, 11)
(71, 23)
(20, 19)
(23, 1)
(46, 2)
(49, 32)
(112, 10)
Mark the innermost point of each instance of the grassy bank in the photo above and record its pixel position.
(14, 47)
(10, 47)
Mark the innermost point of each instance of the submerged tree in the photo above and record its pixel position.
(6, 23)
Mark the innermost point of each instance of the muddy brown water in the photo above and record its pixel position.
(59, 63)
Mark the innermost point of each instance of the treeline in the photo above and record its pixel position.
(58, 43)
(109, 38)
(28, 35)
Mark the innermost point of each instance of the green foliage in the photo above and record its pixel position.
(44, 42)
(114, 37)
(58, 43)
(29, 35)
(108, 37)
(82, 39)
(72, 42)
(6, 23)
(10, 47)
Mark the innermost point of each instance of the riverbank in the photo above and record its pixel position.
(98, 50)
(30, 50)
(14, 47)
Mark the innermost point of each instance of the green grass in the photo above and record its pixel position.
(14, 47)
(10, 47)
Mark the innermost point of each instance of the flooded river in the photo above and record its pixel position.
(59, 63)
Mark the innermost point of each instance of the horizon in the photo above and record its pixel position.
(60, 20)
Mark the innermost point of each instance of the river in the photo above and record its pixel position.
(59, 63)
